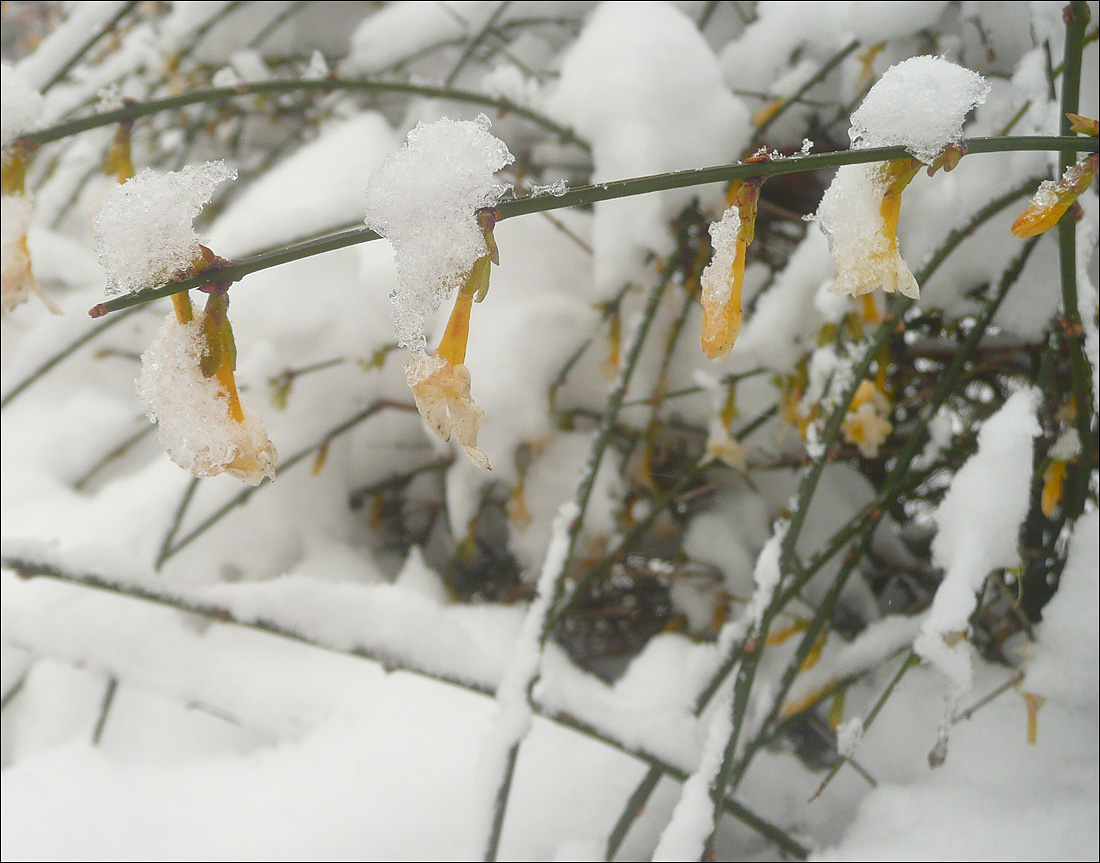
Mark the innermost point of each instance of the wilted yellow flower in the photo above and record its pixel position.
(1053, 199)
(866, 425)
(723, 278)
(440, 383)
(17, 279)
(859, 214)
(188, 384)
(15, 258)
(721, 446)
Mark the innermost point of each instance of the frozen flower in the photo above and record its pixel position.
(866, 425)
(1053, 199)
(441, 383)
(722, 279)
(859, 214)
(188, 385)
(425, 199)
(920, 104)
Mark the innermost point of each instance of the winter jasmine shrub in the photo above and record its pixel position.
(768, 560)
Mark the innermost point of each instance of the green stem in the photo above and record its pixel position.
(1080, 375)
(910, 661)
(582, 498)
(87, 46)
(472, 44)
(128, 113)
(635, 804)
(277, 22)
(817, 78)
(177, 519)
(583, 195)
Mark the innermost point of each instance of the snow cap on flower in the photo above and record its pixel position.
(722, 280)
(920, 104)
(424, 199)
(143, 232)
(21, 103)
(195, 425)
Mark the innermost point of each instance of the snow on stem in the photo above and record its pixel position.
(544, 615)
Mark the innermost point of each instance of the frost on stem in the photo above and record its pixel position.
(143, 232)
(919, 104)
(429, 199)
(201, 422)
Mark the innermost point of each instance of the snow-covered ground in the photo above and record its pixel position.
(208, 669)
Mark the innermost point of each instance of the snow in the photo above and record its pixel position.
(144, 231)
(693, 818)
(919, 104)
(449, 163)
(639, 122)
(22, 104)
(716, 276)
(1087, 298)
(193, 419)
(978, 525)
(848, 736)
(1063, 659)
(307, 676)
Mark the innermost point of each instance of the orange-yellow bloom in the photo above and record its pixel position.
(723, 278)
(440, 383)
(859, 214)
(866, 425)
(1053, 199)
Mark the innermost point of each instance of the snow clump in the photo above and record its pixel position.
(192, 411)
(919, 104)
(424, 199)
(22, 104)
(143, 232)
(978, 526)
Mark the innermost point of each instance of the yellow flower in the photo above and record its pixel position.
(723, 278)
(723, 447)
(866, 425)
(859, 214)
(1053, 199)
(188, 384)
(17, 279)
(440, 383)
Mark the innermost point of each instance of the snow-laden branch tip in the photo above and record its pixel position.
(143, 232)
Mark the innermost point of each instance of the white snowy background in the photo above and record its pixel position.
(366, 727)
